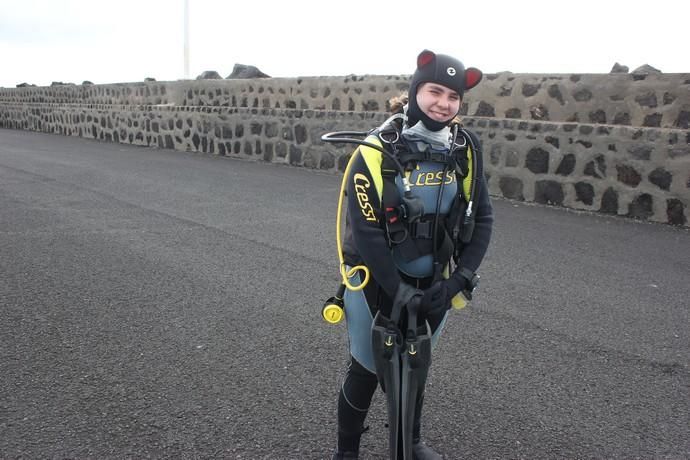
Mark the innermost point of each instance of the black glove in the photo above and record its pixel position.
(437, 298)
(434, 298)
(454, 285)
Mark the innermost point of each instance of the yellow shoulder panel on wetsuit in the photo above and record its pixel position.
(373, 159)
(467, 181)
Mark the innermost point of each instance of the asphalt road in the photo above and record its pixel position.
(156, 303)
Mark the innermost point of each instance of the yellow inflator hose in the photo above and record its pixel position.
(333, 310)
(346, 275)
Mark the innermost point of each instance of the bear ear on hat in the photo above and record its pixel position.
(472, 77)
(424, 58)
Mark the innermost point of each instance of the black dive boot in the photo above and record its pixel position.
(353, 404)
(348, 445)
(421, 451)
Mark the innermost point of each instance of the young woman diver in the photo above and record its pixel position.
(418, 225)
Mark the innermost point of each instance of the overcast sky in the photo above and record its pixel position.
(119, 41)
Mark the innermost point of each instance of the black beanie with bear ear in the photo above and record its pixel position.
(444, 70)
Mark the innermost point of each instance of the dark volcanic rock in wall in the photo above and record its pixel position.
(529, 89)
(548, 192)
(641, 207)
(596, 167)
(246, 71)
(675, 212)
(513, 113)
(585, 193)
(598, 116)
(505, 90)
(661, 178)
(621, 118)
(539, 112)
(645, 69)
(669, 98)
(609, 201)
(567, 165)
(619, 68)
(653, 120)
(555, 93)
(327, 160)
(511, 187)
(209, 75)
(485, 110)
(537, 160)
(582, 95)
(683, 120)
(628, 175)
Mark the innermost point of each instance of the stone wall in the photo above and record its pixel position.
(617, 144)
(655, 100)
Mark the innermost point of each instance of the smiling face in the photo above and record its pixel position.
(438, 102)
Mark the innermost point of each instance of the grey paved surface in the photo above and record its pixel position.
(164, 304)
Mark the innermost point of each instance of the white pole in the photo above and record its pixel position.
(186, 39)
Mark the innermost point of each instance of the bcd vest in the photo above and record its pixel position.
(444, 182)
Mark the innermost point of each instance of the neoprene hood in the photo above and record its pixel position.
(444, 70)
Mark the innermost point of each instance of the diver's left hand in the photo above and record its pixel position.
(437, 298)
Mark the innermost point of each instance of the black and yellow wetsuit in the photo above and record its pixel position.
(368, 242)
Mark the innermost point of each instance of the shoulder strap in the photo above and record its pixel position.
(374, 161)
(470, 185)
(397, 228)
(461, 217)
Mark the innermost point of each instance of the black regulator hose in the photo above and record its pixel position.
(434, 241)
(468, 219)
(339, 137)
